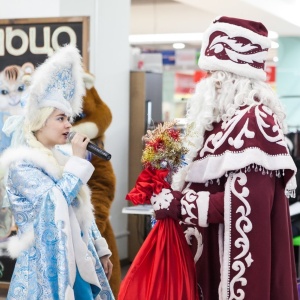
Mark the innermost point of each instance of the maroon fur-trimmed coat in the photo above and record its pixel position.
(235, 213)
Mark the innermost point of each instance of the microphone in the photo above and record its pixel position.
(92, 148)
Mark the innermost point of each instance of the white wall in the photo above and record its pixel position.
(167, 18)
(16, 9)
(109, 62)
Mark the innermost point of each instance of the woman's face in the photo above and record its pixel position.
(55, 131)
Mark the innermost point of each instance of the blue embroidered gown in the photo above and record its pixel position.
(58, 244)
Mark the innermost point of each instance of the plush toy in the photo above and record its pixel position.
(14, 82)
(93, 122)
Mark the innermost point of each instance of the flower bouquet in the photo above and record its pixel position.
(164, 267)
(163, 155)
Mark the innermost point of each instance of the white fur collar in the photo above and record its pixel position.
(84, 212)
(37, 157)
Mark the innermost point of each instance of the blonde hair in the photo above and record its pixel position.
(39, 120)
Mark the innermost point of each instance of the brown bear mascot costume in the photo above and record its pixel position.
(95, 119)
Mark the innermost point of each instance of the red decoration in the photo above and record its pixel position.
(271, 73)
(149, 181)
(198, 75)
(163, 268)
(175, 134)
(184, 83)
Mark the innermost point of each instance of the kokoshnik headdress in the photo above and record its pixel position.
(235, 45)
(58, 82)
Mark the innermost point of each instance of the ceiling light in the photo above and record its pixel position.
(178, 45)
(139, 39)
(136, 39)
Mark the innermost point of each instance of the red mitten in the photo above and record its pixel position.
(167, 204)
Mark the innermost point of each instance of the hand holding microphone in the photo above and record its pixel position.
(91, 147)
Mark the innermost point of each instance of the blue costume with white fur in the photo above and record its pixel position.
(57, 244)
(56, 229)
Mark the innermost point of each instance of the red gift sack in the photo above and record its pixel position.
(163, 268)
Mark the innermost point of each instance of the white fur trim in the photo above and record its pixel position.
(62, 214)
(61, 105)
(89, 80)
(80, 168)
(215, 166)
(102, 247)
(221, 253)
(84, 259)
(202, 204)
(69, 295)
(84, 213)
(12, 155)
(63, 57)
(211, 63)
(226, 259)
(18, 244)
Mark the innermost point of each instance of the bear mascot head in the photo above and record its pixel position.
(93, 122)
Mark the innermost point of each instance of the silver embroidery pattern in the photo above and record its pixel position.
(61, 81)
(41, 270)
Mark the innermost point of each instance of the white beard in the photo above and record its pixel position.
(216, 99)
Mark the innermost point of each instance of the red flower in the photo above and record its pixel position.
(157, 145)
(174, 134)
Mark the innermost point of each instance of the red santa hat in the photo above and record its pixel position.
(237, 46)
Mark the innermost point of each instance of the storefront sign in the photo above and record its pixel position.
(184, 83)
(186, 57)
(168, 57)
(33, 40)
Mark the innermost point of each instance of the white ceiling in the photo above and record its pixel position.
(182, 16)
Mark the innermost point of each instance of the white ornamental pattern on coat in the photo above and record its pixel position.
(162, 200)
(218, 139)
(187, 204)
(260, 115)
(189, 233)
(243, 226)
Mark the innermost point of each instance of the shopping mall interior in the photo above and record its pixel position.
(144, 55)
